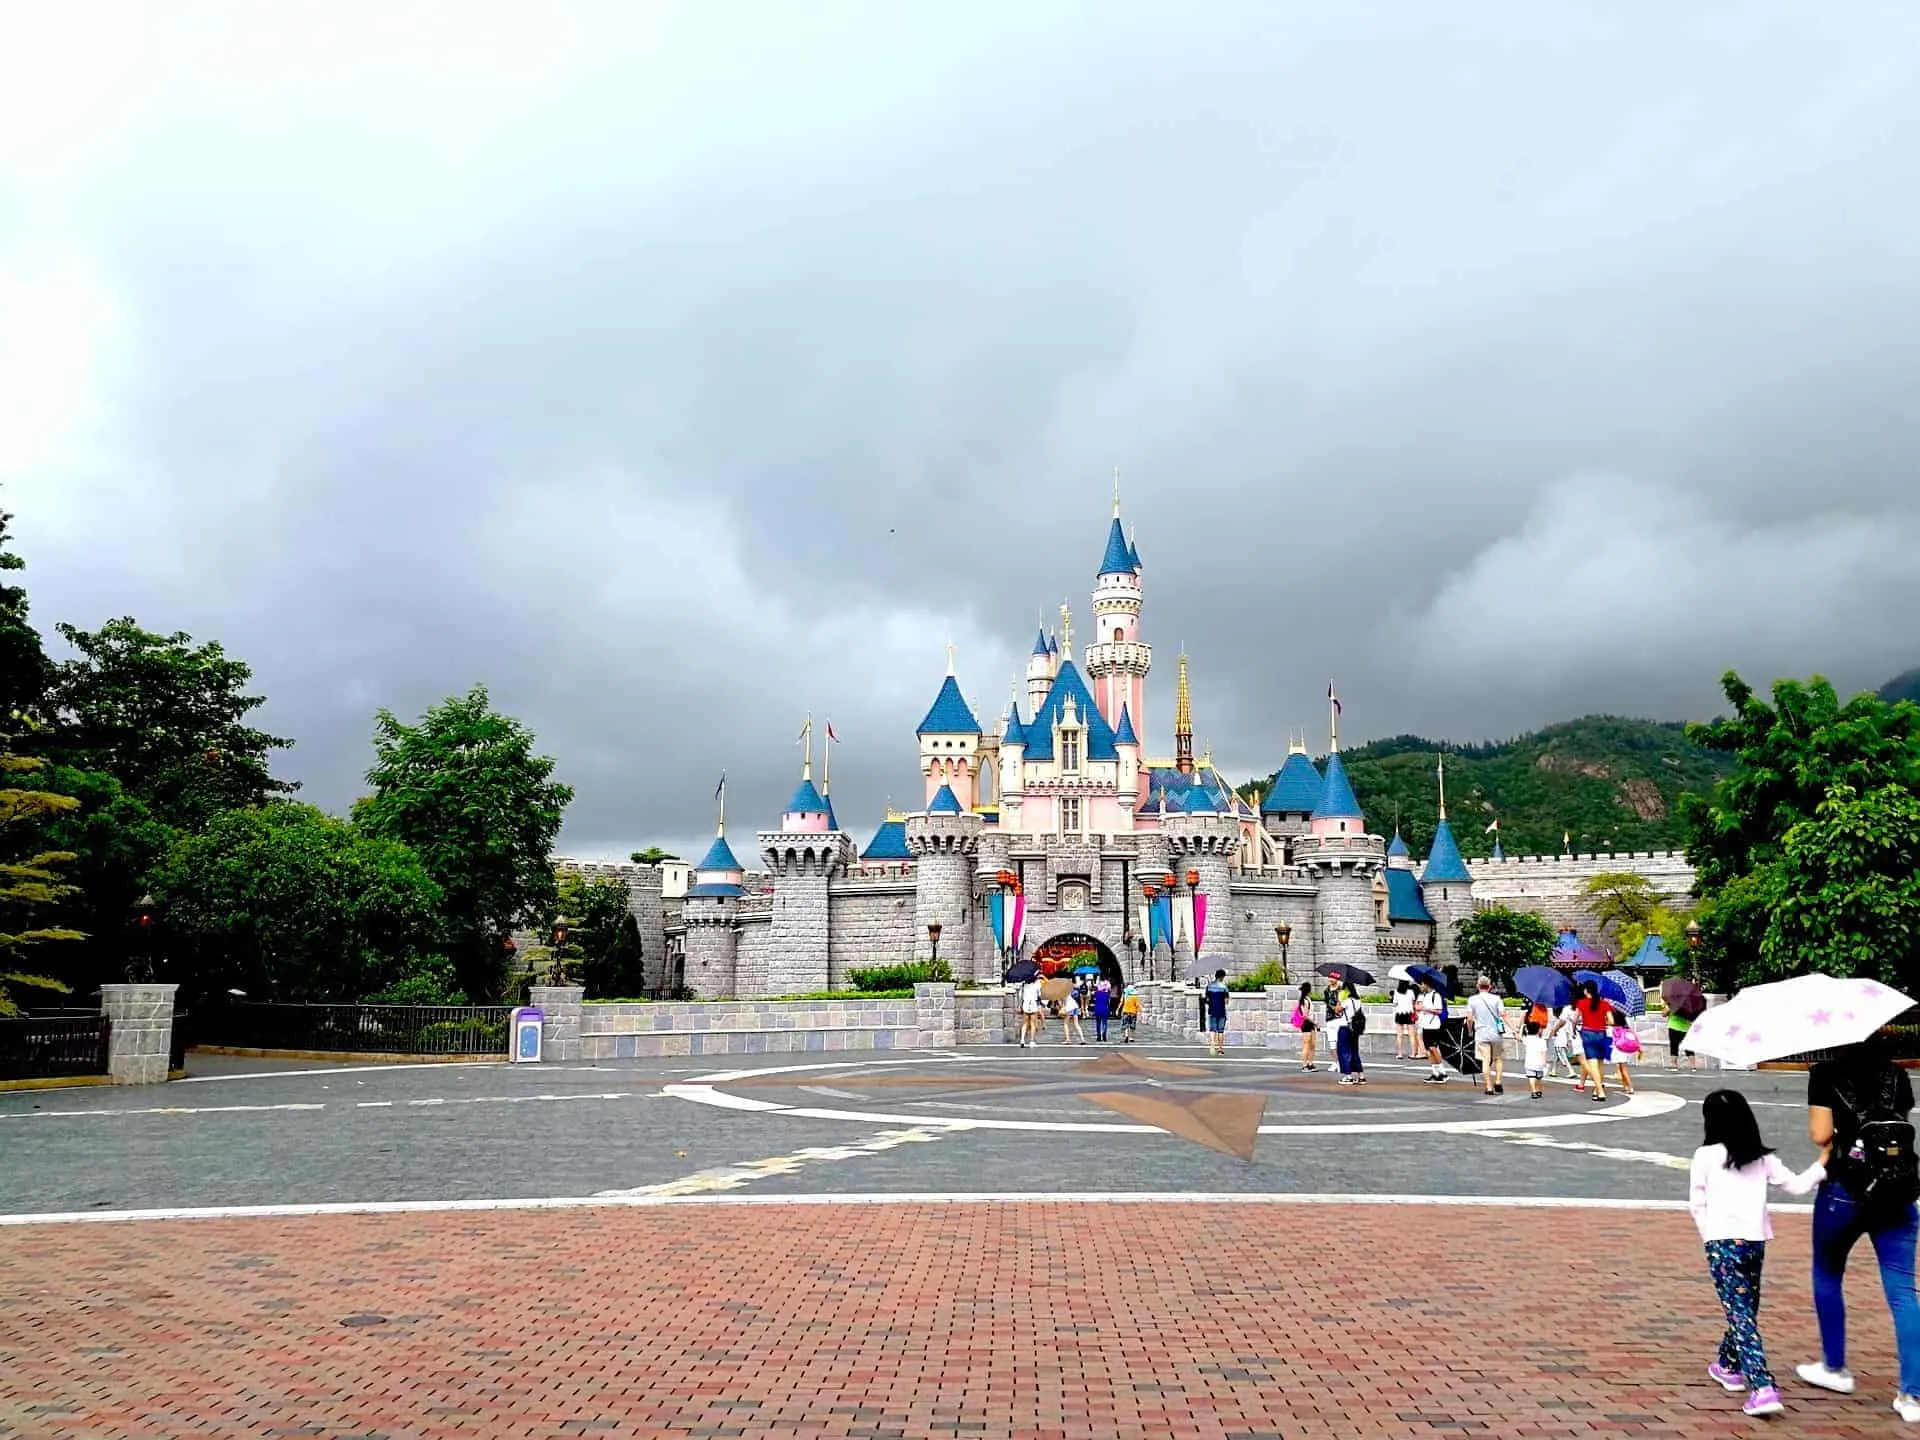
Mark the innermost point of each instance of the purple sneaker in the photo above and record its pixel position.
(1729, 1379)
(1765, 1401)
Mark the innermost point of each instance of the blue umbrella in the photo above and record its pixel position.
(1544, 985)
(1633, 993)
(1611, 989)
(1436, 978)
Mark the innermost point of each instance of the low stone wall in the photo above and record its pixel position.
(938, 1017)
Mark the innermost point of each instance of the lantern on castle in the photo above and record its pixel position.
(1193, 878)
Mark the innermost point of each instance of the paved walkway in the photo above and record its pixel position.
(1123, 1320)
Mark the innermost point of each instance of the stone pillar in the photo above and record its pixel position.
(139, 1032)
(933, 1014)
(1449, 903)
(644, 903)
(1207, 844)
(943, 850)
(987, 964)
(1344, 867)
(559, 1007)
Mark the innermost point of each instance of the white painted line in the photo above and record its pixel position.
(985, 1197)
(322, 1104)
(156, 1110)
(337, 1070)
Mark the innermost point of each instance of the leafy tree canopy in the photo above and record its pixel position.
(1498, 941)
(604, 953)
(1808, 770)
(1619, 899)
(289, 903)
(652, 855)
(115, 842)
(24, 668)
(166, 718)
(31, 878)
(464, 790)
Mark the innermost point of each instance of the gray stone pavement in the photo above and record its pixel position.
(276, 1133)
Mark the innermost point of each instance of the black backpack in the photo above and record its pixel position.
(1885, 1176)
(1357, 1022)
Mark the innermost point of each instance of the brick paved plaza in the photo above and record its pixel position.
(1035, 1320)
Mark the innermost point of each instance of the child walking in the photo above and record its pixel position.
(1728, 1199)
(1533, 1056)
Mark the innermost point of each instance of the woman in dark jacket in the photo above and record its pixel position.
(1859, 1088)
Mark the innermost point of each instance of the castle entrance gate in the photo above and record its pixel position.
(1079, 950)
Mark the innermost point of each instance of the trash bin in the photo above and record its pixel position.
(525, 1025)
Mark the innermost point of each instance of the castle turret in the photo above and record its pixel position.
(1182, 721)
(1013, 751)
(950, 743)
(1446, 885)
(1126, 745)
(710, 910)
(944, 842)
(803, 855)
(1343, 860)
(1039, 671)
(1202, 840)
(1116, 661)
(1287, 808)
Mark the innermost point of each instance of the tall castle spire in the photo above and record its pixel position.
(1183, 722)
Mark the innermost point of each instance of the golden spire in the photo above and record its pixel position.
(1066, 632)
(1443, 786)
(1183, 721)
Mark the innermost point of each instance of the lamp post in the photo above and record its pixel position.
(1693, 947)
(933, 939)
(558, 966)
(140, 968)
(1283, 932)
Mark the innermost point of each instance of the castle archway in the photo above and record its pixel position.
(1074, 946)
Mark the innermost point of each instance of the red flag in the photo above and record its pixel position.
(830, 735)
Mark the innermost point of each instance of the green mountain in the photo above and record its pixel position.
(1902, 687)
(1612, 782)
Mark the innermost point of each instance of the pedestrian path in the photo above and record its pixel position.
(1124, 1320)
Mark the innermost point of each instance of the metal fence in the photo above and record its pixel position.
(383, 1029)
(49, 1047)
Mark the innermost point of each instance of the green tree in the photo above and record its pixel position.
(1788, 759)
(1498, 941)
(166, 718)
(24, 668)
(604, 953)
(652, 855)
(466, 792)
(289, 903)
(1669, 924)
(116, 843)
(30, 877)
(1619, 898)
(1845, 895)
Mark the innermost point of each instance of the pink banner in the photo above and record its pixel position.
(1199, 922)
(1019, 919)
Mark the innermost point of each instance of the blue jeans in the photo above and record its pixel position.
(1346, 1048)
(1836, 1229)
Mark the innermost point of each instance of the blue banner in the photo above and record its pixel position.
(996, 910)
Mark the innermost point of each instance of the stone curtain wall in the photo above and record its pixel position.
(643, 884)
(1549, 885)
(1254, 945)
(870, 923)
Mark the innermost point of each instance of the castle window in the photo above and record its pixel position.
(1070, 815)
(1070, 752)
(1118, 635)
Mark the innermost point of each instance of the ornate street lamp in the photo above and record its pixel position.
(933, 939)
(1693, 934)
(1283, 932)
(140, 966)
(561, 925)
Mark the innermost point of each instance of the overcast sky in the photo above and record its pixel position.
(676, 370)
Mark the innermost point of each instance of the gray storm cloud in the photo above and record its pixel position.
(681, 370)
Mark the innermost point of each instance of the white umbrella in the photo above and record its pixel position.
(1400, 972)
(1791, 1017)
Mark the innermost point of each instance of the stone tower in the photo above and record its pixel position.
(804, 855)
(950, 744)
(711, 910)
(944, 842)
(1343, 861)
(1446, 885)
(1116, 661)
(1205, 842)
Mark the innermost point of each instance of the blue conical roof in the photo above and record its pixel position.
(1016, 733)
(1133, 554)
(719, 856)
(1295, 789)
(1068, 685)
(1123, 734)
(1444, 864)
(1498, 853)
(1336, 794)
(833, 820)
(950, 714)
(889, 843)
(1040, 646)
(1053, 644)
(1397, 847)
(1119, 557)
(806, 800)
(945, 802)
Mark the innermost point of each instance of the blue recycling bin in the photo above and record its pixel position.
(525, 1024)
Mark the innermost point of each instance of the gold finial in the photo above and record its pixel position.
(1066, 632)
(1183, 720)
(1443, 785)
(806, 739)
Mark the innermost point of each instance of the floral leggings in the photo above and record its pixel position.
(1736, 1276)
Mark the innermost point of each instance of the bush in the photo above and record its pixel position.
(901, 977)
(433, 983)
(1271, 973)
(460, 1037)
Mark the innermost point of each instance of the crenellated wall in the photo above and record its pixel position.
(1549, 885)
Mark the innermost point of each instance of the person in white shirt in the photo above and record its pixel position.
(1533, 1057)
(1430, 1008)
(1727, 1196)
(1563, 1037)
(1486, 1019)
(1030, 1013)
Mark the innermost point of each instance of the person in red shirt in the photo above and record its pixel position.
(1595, 1014)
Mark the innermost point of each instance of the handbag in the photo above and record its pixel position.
(1298, 1018)
(1625, 1040)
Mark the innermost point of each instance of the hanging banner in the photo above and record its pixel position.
(1183, 918)
(1140, 922)
(1199, 921)
(1163, 921)
(1019, 919)
(996, 915)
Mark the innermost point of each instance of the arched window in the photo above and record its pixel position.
(1118, 635)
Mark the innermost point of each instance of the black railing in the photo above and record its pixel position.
(377, 1029)
(51, 1047)
(182, 1039)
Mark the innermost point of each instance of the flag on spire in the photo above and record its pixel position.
(1494, 827)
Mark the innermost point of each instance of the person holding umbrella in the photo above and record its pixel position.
(1595, 1014)
(1342, 1005)
(1404, 1033)
(1430, 1008)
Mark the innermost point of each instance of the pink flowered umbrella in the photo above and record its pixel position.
(1792, 1017)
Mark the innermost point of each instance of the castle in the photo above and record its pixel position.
(1057, 833)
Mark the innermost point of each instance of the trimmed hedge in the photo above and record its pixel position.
(901, 977)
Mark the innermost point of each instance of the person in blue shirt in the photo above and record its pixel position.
(1217, 1013)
